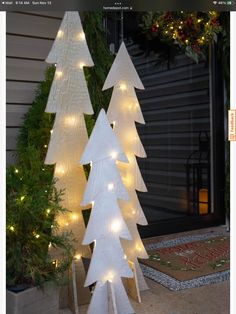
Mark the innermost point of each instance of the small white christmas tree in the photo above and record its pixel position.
(123, 112)
(69, 99)
(106, 224)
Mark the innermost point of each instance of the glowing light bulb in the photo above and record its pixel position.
(16, 171)
(22, 198)
(81, 65)
(45, 146)
(78, 257)
(48, 211)
(59, 170)
(74, 216)
(70, 120)
(133, 212)
(138, 248)
(58, 74)
(37, 236)
(123, 87)
(116, 226)
(109, 277)
(81, 36)
(110, 186)
(51, 131)
(114, 155)
(60, 34)
(125, 256)
(12, 228)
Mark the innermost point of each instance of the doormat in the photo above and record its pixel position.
(188, 262)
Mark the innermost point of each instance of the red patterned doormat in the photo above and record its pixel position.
(188, 260)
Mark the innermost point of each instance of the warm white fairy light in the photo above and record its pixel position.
(60, 170)
(123, 86)
(51, 131)
(12, 228)
(109, 277)
(74, 216)
(116, 226)
(125, 256)
(133, 212)
(16, 171)
(81, 65)
(81, 36)
(60, 34)
(45, 146)
(70, 120)
(37, 236)
(114, 155)
(78, 256)
(49, 245)
(48, 211)
(114, 123)
(22, 198)
(59, 74)
(110, 186)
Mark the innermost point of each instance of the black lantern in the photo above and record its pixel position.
(198, 177)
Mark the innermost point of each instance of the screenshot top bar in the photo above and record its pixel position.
(108, 5)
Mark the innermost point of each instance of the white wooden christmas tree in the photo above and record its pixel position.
(69, 99)
(106, 224)
(123, 112)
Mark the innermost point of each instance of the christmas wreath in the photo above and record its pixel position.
(191, 31)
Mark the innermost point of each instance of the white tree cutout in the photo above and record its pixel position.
(124, 110)
(69, 99)
(106, 224)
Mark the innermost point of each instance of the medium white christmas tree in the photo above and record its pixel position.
(69, 99)
(123, 112)
(106, 224)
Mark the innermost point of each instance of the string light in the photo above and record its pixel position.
(123, 87)
(60, 34)
(51, 131)
(58, 74)
(70, 120)
(109, 277)
(78, 257)
(110, 186)
(74, 216)
(81, 36)
(12, 228)
(116, 226)
(49, 245)
(22, 198)
(133, 212)
(114, 155)
(16, 170)
(59, 170)
(48, 211)
(81, 65)
(45, 146)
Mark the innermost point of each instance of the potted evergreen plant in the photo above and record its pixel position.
(33, 204)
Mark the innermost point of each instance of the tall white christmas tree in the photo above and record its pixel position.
(69, 99)
(123, 112)
(106, 224)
